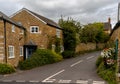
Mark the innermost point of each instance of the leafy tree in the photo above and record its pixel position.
(93, 33)
(71, 30)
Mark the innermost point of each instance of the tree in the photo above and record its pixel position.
(93, 33)
(70, 30)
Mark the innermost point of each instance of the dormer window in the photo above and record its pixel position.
(13, 28)
(34, 29)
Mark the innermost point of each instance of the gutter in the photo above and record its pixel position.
(55, 26)
(5, 45)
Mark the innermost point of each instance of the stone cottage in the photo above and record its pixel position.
(11, 40)
(39, 30)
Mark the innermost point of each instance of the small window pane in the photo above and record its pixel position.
(11, 51)
(13, 28)
(21, 51)
(34, 29)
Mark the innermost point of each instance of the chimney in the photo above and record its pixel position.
(109, 20)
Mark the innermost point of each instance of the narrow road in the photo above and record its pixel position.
(80, 70)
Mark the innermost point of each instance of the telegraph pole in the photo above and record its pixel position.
(118, 11)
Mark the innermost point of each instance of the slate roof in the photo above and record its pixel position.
(30, 43)
(44, 19)
(48, 21)
(115, 27)
(7, 19)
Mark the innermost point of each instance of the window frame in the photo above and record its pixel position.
(34, 30)
(11, 53)
(58, 33)
(13, 28)
(21, 49)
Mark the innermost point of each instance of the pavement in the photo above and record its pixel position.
(80, 70)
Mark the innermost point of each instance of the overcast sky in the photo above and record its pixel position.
(85, 11)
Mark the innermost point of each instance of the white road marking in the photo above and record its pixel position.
(82, 81)
(52, 80)
(90, 57)
(76, 63)
(7, 80)
(98, 82)
(64, 81)
(20, 81)
(34, 81)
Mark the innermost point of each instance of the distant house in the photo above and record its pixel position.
(11, 40)
(39, 30)
(107, 26)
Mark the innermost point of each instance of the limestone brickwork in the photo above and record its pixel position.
(15, 39)
(45, 31)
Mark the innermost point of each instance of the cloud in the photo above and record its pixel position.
(85, 11)
(8, 6)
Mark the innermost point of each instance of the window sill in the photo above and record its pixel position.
(11, 57)
(21, 55)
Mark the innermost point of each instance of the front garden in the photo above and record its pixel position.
(106, 65)
(39, 58)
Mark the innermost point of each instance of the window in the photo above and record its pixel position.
(34, 29)
(13, 28)
(21, 51)
(58, 33)
(11, 51)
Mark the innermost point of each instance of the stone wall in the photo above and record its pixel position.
(89, 46)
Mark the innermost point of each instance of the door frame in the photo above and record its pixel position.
(26, 47)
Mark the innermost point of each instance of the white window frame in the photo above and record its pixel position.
(21, 50)
(33, 28)
(13, 28)
(58, 31)
(11, 52)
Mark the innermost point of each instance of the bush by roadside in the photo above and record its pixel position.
(6, 69)
(39, 58)
(68, 54)
(108, 73)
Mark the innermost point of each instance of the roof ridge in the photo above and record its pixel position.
(8, 19)
(45, 19)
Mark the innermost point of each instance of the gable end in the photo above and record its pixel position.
(24, 9)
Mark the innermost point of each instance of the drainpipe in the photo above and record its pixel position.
(5, 46)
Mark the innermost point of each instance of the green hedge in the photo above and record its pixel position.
(107, 74)
(68, 54)
(6, 69)
(39, 58)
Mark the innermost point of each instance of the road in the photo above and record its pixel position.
(80, 70)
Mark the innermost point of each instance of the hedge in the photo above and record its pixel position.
(68, 54)
(39, 58)
(6, 69)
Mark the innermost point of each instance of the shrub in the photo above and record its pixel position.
(68, 54)
(107, 74)
(40, 57)
(99, 61)
(6, 69)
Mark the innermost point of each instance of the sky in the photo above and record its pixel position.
(84, 11)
